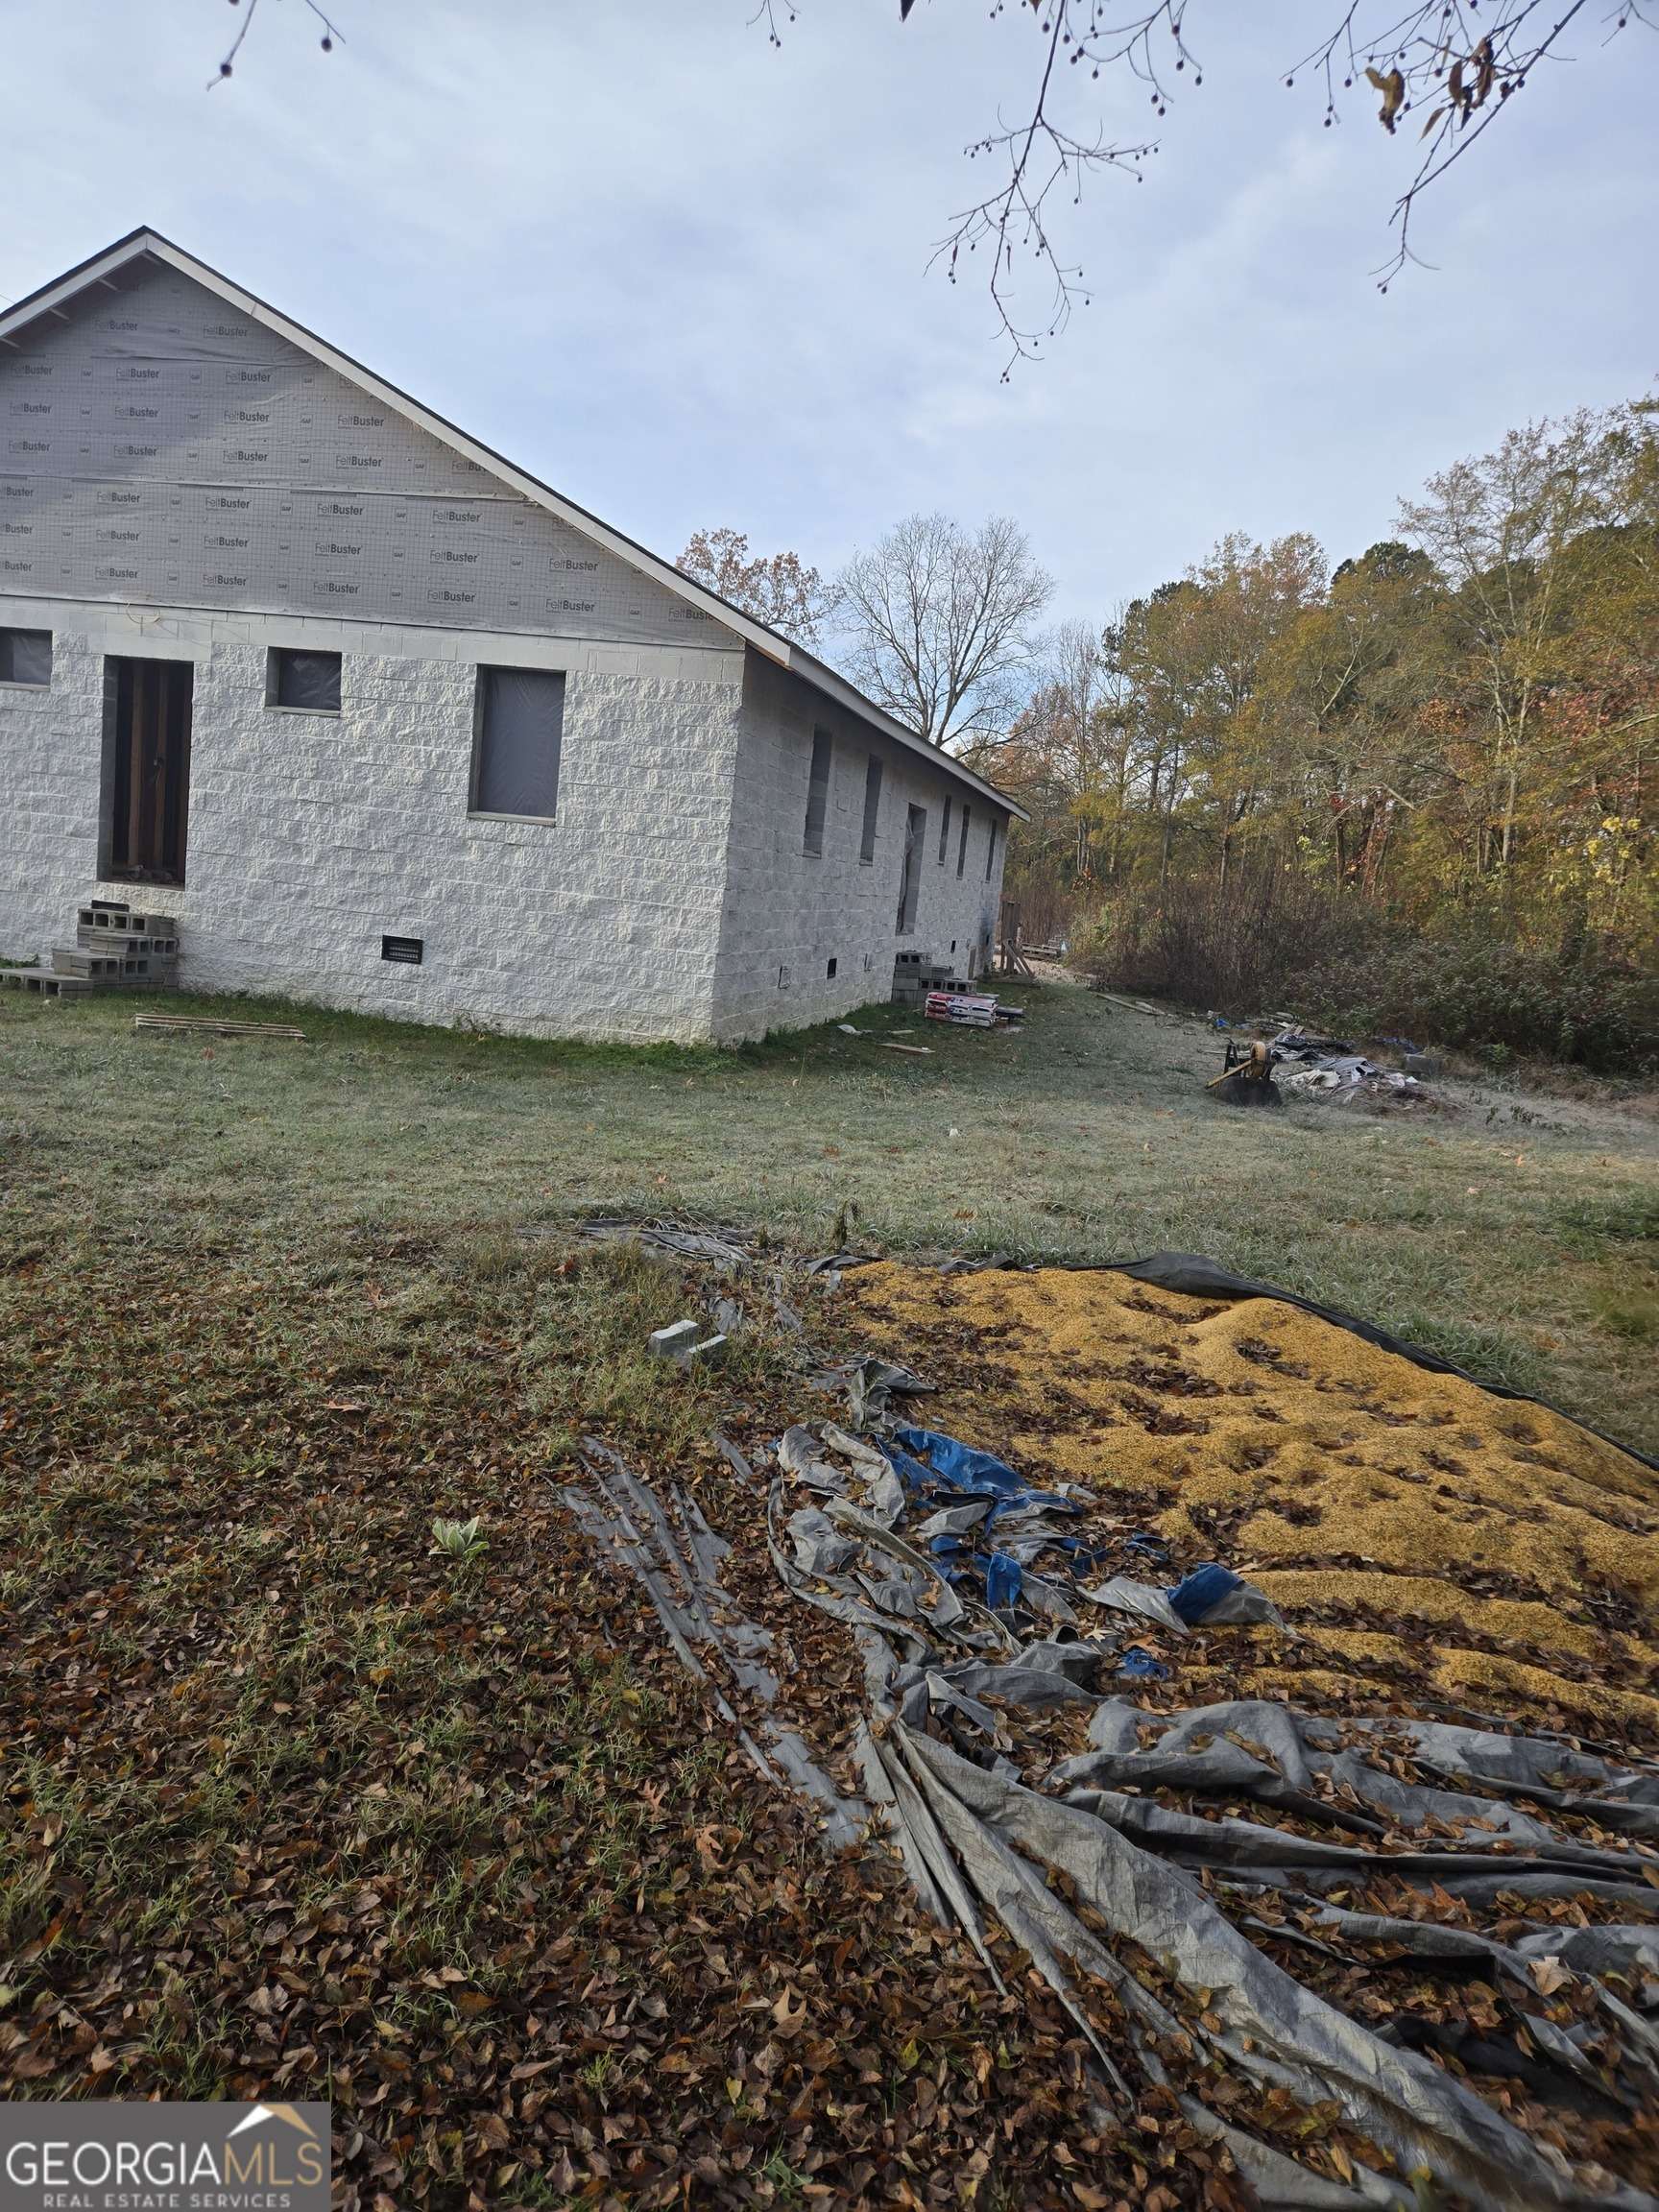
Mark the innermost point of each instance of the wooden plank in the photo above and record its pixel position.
(218, 1028)
(141, 810)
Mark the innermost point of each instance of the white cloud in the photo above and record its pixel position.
(681, 275)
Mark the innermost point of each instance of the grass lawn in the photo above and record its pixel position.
(1517, 1234)
(294, 1804)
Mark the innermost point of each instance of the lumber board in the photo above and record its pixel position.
(218, 1028)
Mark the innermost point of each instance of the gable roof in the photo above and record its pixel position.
(51, 300)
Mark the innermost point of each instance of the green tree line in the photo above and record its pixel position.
(1436, 760)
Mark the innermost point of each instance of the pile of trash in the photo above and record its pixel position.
(1218, 1896)
(1381, 1951)
(960, 1538)
(1329, 1068)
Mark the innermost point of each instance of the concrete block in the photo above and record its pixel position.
(709, 1353)
(95, 966)
(38, 984)
(674, 1342)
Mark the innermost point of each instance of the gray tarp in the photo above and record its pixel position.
(1270, 2027)
(678, 1570)
(1461, 1811)
(25, 655)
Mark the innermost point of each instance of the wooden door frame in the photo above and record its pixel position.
(144, 818)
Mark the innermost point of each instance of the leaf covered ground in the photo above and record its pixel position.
(293, 1800)
(295, 1803)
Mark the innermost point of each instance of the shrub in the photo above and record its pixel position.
(1243, 950)
(1482, 995)
(1276, 940)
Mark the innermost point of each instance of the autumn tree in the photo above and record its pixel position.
(1342, 691)
(1193, 654)
(778, 589)
(1441, 757)
(1498, 527)
(938, 623)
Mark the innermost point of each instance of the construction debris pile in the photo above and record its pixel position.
(1381, 1953)
(1327, 1070)
(930, 987)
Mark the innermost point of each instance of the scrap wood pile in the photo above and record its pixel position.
(1363, 1941)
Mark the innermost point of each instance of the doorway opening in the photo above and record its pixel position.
(145, 769)
(910, 882)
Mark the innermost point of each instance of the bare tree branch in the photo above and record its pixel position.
(1041, 157)
(767, 13)
(1464, 64)
(227, 67)
(1447, 56)
(1461, 60)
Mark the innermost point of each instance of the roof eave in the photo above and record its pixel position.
(822, 678)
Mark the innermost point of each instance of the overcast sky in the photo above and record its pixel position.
(680, 275)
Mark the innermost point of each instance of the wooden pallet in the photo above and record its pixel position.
(217, 1027)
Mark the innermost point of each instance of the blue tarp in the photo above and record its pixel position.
(1198, 1593)
(1004, 1580)
(960, 1465)
(954, 1466)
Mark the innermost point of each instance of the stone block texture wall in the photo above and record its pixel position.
(178, 482)
(787, 914)
(311, 836)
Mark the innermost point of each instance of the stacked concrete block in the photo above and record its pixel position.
(907, 985)
(915, 979)
(114, 948)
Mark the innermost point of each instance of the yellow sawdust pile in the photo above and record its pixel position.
(1413, 1529)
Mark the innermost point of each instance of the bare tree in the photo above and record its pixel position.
(778, 589)
(938, 622)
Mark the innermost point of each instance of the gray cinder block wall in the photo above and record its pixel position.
(312, 836)
(789, 913)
